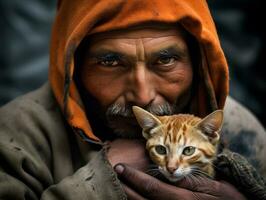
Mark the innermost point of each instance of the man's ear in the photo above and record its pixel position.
(146, 120)
(211, 125)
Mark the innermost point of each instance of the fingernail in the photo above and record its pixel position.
(119, 168)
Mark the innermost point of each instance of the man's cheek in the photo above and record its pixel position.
(105, 93)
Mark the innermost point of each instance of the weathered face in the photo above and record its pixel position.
(148, 67)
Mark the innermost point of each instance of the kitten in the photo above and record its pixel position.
(181, 145)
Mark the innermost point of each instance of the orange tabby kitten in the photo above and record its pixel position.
(181, 145)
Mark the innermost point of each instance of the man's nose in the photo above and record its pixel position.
(141, 87)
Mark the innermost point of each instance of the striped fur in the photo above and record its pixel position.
(177, 132)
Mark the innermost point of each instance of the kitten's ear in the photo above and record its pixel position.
(212, 124)
(146, 120)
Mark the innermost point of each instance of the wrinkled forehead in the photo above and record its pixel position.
(145, 32)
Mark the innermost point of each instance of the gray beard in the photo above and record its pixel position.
(121, 120)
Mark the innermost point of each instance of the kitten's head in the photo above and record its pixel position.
(181, 145)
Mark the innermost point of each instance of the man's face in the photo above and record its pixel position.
(148, 67)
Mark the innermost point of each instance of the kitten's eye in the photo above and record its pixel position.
(188, 151)
(160, 149)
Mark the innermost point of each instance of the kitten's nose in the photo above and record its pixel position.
(171, 169)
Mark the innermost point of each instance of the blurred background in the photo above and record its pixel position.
(25, 36)
(240, 25)
(24, 45)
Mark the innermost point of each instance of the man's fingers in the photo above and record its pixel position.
(149, 186)
(211, 189)
(152, 188)
(140, 181)
(131, 194)
(200, 184)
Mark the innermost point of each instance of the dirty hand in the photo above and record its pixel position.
(140, 186)
(128, 151)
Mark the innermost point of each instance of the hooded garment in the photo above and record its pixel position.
(78, 19)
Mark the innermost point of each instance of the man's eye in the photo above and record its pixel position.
(109, 59)
(109, 62)
(166, 60)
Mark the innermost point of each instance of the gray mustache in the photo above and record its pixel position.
(126, 110)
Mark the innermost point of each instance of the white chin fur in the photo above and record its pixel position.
(176, 176)
(174, 179)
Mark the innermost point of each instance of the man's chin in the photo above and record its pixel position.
(125, 130)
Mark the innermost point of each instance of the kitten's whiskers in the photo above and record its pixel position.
(200, 173)
(154, 171)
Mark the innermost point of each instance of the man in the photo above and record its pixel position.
(68, 139)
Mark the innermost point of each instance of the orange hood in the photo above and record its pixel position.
(77, 18)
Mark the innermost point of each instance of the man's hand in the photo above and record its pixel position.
(128, 151)
(140, 186)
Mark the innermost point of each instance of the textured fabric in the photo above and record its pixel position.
(236, 169)
(80, 18)
(243, 134)
(42, 159)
